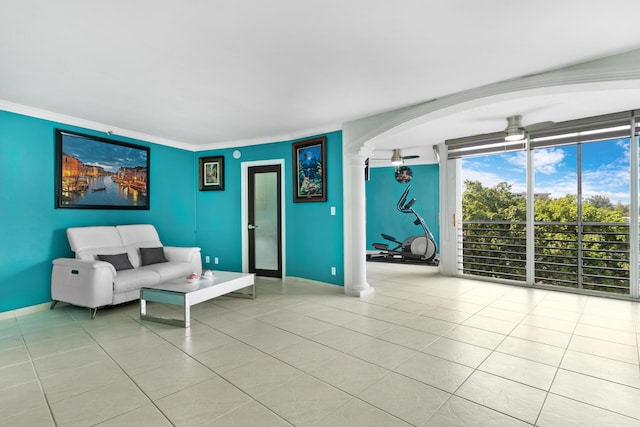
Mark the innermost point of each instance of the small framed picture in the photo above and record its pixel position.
(310, 170)
(211, 173)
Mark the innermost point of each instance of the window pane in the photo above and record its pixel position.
(605, 216)
(493, 212)
(556, 215)
(605, 181)
(556, 184)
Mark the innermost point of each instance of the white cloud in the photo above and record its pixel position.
(519, 160)
(558, 188)
(609, 182)
(547, 160)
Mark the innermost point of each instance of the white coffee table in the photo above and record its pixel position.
(184, 294)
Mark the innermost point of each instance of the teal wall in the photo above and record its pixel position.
(383, 192)
(33, 232)
(314, 238)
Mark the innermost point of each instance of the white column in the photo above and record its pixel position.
(530, 232)
(355, 224)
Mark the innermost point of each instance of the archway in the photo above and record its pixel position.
(360, 138)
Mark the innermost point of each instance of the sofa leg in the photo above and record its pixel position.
(53, 304)
(93, 312)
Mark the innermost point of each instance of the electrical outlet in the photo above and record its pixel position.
(215, 260)
(333, 271)
(207, 260)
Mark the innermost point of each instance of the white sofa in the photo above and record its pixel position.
(89, 282)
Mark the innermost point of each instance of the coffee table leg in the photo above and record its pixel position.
(187, 311)
(143, 305)
(178, 299)
(252, 295)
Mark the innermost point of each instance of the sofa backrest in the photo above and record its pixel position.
(138, 236)
(87, 242)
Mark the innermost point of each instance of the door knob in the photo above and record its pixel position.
(251, 226)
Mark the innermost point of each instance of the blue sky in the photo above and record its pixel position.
(605, 170)
(108, 156)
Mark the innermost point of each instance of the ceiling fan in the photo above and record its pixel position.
(516, 132)
(397, 158)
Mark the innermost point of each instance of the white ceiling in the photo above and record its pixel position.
(205, 74)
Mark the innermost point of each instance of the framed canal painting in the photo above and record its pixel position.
(211, 173)
(97, 173)
(310, 170)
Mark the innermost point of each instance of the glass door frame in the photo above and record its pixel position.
(244, 221)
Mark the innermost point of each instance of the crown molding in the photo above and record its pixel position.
(25, 110)
(306, 133)
(88, 124)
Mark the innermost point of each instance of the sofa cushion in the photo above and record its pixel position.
(119, 261)
(129, 280)
(170, 270)
(137, 236)
(152, 255)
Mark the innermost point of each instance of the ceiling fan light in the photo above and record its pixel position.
(396, 158)
(512, 137)
(514, 130)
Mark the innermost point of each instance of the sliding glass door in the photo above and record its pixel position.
(582, 216)
(561, 210)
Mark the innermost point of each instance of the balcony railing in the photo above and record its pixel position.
(593, 256)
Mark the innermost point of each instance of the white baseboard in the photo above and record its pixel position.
(24, 310)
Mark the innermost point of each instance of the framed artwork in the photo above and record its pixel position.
(98, 173)
(211, 172)
(310, 170)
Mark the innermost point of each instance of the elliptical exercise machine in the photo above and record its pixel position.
(419, 248)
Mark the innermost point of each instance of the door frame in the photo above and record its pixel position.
(244, 208)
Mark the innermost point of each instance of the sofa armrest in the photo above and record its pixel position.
(81, 282)
(192, 255)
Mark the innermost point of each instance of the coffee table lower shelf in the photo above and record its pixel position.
(183, 294)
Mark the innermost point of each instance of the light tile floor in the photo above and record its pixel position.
(423, 350)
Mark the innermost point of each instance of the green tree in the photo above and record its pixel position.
(599, 201)
(564, 209)
(494, 238)
(491, 203)
(493, 243)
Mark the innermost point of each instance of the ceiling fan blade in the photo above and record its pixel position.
(415, 156)
(539, 126)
